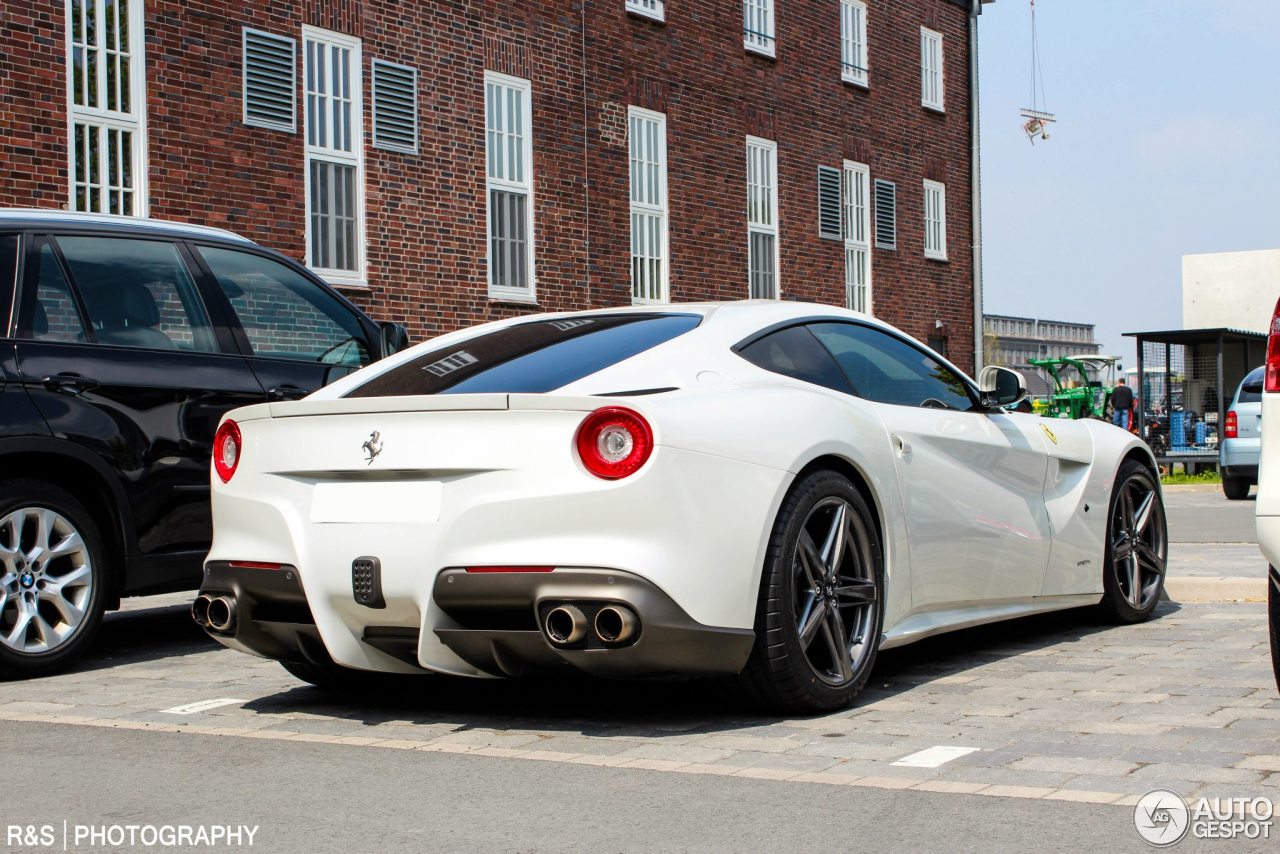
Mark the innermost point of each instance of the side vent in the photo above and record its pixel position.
(270, 80)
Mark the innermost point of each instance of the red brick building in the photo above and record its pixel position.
(455, 161)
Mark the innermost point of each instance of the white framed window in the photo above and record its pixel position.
(935, 220)
(650, 260)
(106, 99)
(758, 33)
(762, 218)
(334, 121)
(647, 8)
(931, 69)
(853, 42)
(857, 236)
(508, 110)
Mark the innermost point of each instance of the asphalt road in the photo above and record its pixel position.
(319, 798)
(1204, 515)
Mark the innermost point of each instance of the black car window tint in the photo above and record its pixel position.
(886, 369)
(1251, 388)
(138, 293)
(284, 314)
(8, 276)
(794, 352)
(53, 315)
(534, 357)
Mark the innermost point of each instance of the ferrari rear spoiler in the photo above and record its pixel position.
(432, 403)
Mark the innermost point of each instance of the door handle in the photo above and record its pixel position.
(73, 383)
(287, 392)
(901, 446)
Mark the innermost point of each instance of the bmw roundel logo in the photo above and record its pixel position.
(27, 579)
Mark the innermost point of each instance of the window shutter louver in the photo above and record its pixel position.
(395, 107)
(886, 215)
(270, 80)
(829, 203)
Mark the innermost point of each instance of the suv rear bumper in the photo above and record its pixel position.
(1242, 472)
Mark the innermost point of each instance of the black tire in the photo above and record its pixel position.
(1273, 617)
(1235, 488)
(783, 674)
(29, 582)
(1134, 535)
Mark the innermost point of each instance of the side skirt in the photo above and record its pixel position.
(920, 626)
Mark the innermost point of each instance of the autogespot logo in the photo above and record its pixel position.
(1162, 818)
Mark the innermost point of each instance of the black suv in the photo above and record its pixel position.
(122, 343)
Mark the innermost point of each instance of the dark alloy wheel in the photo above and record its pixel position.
(52, 578)
(821, 603)
(1138, 546)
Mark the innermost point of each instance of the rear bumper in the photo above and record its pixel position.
(1240, 453)
(493, 622)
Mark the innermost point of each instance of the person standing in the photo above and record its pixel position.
(1121, 405)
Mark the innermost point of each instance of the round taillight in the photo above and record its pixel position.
(614, 442)
(226, 450)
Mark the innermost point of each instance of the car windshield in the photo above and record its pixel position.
(1251, 388)
(534, 357)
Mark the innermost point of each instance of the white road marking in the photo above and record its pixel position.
(202, 706)
(934, 756)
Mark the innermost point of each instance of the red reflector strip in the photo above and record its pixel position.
(509, 568)
(255, 564)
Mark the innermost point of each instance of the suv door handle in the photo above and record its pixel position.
(287, 392)
(73, 383)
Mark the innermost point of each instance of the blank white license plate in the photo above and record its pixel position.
(383, 502)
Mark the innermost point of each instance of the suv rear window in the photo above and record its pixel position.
(534, 357)
(1251, 388)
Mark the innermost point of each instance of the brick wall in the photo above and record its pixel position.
(425, 212)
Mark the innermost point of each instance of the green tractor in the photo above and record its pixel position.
(1082, 385)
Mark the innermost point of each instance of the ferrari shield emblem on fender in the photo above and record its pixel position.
(372, 446)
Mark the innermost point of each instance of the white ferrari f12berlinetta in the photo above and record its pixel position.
(772, 491)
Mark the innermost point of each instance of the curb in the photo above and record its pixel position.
(1191, 589)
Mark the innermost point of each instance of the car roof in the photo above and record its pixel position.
(29, 218)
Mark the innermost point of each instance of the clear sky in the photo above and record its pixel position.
(1167, 143)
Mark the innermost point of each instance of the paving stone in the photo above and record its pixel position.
(1200, 773)
(1070, 765)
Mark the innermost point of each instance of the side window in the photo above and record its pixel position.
(794, 352)
(138, 293)
(8, 274)
(886, 369)
(52, 315)
(284, 314)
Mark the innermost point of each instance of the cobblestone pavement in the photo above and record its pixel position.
(1055, 707)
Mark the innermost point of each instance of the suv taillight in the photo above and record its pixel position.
(1232, 428)
(226, 450)
(614, 442)
(1273, 352)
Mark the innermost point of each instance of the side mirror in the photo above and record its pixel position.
(1000, 387)
(395, 337)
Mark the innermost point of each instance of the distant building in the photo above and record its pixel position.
(1013, 341)
(1230, 290)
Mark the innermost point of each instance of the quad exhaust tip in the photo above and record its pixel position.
(221, 613)
(200, 610)
(615, 624)
(566, 625)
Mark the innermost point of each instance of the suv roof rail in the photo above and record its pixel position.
(60, 216)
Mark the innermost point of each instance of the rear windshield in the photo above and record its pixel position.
(1251, 388)
(538, 356)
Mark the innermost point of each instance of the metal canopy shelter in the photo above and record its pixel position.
(1186, 379)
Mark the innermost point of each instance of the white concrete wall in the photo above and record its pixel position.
(1231, 289)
